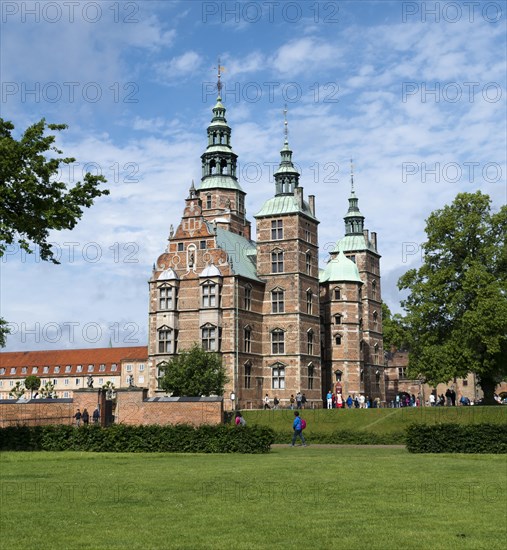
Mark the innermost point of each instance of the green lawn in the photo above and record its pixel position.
(380, 421)
(290, 498)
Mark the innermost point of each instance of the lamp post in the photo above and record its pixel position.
(233, 401)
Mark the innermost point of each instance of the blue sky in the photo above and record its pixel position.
(413, 92)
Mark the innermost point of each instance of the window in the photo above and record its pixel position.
(276, 230)
(359, 293)
(2, 370)
(361, 376)
(68, 368)
(352, 258)
(248, 375)
(309, 302)
(65, 394)
(338, 319)
(114, 367)
(45, 370)
(374, 290)
(402, 372)
(248, 339)
(376, 354)
(248, 298)
(361, 323)
(55, 381)
(241, 203)
(208, 201)
(465, 382)
(79, 368)
(102, 367)
(166, 297)
(338, 340)
(337, 294)
(308, 237)
(209, 338)
(277, 261)
(308, 263)
(141, 367)
(311, 370)
(277, 342)
(78, 381)
(209, 294)
(101, 381)
(140, 380)
(278, 377)
(164, 343)
(90, 368)
(129, 367)
(375, 320)
(11, 383)
(180, 247)
(310, 342)
(66, 382)
(277, 301)
(24, 370)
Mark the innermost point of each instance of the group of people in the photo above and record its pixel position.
(85, 417)
(300, 401)
(336, 401)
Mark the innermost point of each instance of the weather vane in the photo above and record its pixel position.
(352, 174)
(220, 69)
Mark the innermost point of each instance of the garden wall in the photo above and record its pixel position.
(130, 407)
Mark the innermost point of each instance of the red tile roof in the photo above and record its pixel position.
(72, 357)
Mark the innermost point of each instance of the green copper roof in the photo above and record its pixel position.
(350, 243)
(241, 251)
(219, 181)
(340, 269)
(283, 204)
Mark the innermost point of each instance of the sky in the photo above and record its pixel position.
(413, 92)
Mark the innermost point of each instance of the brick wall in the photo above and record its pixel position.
(132, 407)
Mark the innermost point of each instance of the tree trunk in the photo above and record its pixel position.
(488, 386)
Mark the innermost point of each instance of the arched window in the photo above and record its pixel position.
(309, 302)
(311, 371)
(165, 340)
(337, 319)
(375, 320)
(376, 354)
(374, 290)
(248, 297)
(247, 338)
(308, 263)
(337, 293)
(338, 340)
(278, 376)
(248, 374)
(310, 339)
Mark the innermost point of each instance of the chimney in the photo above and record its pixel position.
(298, 193)
(366, 237)
(374, 239)
(311, 201)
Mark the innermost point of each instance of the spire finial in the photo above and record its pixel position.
(220, 70)
(351, 175)
(285, 124)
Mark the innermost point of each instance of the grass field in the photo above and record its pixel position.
(291, 498)
(380, 421)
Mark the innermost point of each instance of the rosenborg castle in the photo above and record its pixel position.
(280, 323)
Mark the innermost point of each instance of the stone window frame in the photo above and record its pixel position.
(376, 353)
(308, 262)
(165, 339)
(247, 339)
(277, 260)
(247, 368)
(157, 371)
(375, 320)
(310, 341)
(210, 337)
(374, 290)
(277, 229)
(277, 300)
(209, 299)
(278, 376)
(337, 293)
(337, 318)
(209, 202)
(309, 301)
(167, 294)
(311, 375)
(277, 341)
(338, 338)
(248, 297)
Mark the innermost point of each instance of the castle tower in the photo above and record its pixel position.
(287, 260)
(361, 249)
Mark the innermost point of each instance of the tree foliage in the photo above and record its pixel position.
(194, 373)
(32, 383)
(457, 306)
(34, 201)
(394, 330)
(18, 391)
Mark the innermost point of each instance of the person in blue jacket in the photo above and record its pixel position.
(298, 430)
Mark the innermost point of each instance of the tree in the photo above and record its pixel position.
(394, 330)
(18, 390)
(457, 307)
(32, 383)
(33, 200)
(194, 373)
(48, 391)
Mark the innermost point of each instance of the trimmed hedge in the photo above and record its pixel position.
(346, 437)
(138, 439)
(457, 438)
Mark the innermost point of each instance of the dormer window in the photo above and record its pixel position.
(166, 297)
(209, 294)
(208, 202)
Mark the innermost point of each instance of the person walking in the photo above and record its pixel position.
(297, 426)
(298, 400)
(303, 401)
(77, 417)
(329, 398)
(96, 416)
(350, 401)
(266, 402)
(291, 401)
(86, 417)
